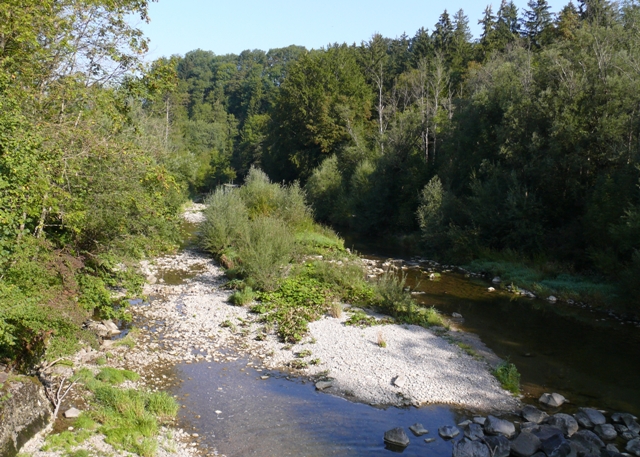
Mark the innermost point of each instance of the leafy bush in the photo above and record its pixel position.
(226, 220)
(265, 250)
(296, 302)
(243, 297)
(508, 375)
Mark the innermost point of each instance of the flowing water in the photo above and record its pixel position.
(587, 356)
(590, 357)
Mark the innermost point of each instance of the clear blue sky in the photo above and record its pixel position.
(179, 26)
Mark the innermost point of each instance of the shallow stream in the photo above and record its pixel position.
(589, 357)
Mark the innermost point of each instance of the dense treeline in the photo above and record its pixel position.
(85, 181)
(525, 140)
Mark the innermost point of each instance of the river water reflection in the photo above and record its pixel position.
(588, 356)
(236, 412)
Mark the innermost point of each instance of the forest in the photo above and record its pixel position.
(522, 144)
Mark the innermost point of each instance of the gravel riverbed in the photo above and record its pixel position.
(188, 319)
(193, 321)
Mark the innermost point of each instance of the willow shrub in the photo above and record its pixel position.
(255, 227)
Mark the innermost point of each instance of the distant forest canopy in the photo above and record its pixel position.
(526, 139)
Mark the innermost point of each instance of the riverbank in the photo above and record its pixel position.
(190, 319)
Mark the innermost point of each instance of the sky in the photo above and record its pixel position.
(230, 27)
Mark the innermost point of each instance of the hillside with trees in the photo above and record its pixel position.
(521, 144)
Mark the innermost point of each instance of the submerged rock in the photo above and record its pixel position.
(396, 437)
(322, 385)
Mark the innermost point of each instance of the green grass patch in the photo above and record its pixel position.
(543, 278)
(129, 418)
(509, 377)
(114, 376)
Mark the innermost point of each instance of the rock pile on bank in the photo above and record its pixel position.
(587, 433)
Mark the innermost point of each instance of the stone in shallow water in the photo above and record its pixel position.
(553, 400)
(606, 432)
(495, 426)
(429, 440)
(448, 431)
(321, 385)
(396, 437)
(499, 446)
(533, 414)
(468, 448)
(418, 429)
(525, 445)
(564, 422)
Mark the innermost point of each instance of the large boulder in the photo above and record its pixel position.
(498, 445)
(589, 417)
(553, 400)
(533, 414)
(552, 441)
(396, 437)
(588, 440)
(473, 431)
(525, 445)
(495, 426)
(564, 422)
(24, 411)
(606, 432)
(469, 448)
(633, 447)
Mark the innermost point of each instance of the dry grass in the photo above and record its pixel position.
(336, 310)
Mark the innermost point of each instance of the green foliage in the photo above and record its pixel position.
(265, 250)
(361, 319)
(296, 302)
(508, 375)
(243, 297)
(115, 376)
(129, 418)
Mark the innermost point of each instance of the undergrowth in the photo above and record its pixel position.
(509, 377)
(543, 278)
(128, 418)
(264, 235)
